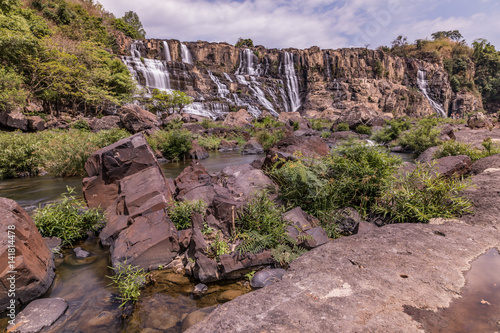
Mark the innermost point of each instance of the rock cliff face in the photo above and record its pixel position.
(223, 78)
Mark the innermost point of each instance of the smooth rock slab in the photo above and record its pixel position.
(267, 277)
(39, 314)
(361, 283)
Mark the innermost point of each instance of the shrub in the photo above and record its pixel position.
(421, 138)
(391, 130)
(209, 142)
(81, 124)
(363, 129)
(325, 134)
(421, 195)
(67, 219)
(320, 124)
(18, 154)
(342, 127)
(174, 144)
(128, 281)
(295, 125)
(181, 212)
(453, 148)
(353, 175)
(267, 122)
(268, 138)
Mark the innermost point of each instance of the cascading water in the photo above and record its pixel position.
(228, 77)
(186, 55)
(247, 64)
(328, 70)
(422, 85)
(154, 72)
(166, 49)
(292, 81)
(222, 90)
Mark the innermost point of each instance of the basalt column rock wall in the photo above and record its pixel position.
(329, 83)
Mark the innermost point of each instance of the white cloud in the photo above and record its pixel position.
(303, 23)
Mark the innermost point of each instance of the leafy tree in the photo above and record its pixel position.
(133, 23)
(168, 101)
(12, 92)
(6, 6)
(487, 70)
(244, 42)
(451, 34)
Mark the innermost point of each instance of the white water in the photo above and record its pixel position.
(154, 72)
(292, 82)
(253, 85)
(422, 85)
(166, 49)
(222, 90)
(186, 55)
(211, 110)
(247, 64)
(228, 77)
(326, 59)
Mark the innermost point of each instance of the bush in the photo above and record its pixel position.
(128, 281)
(391, 130)
(320, 124)
(181, 212)
(267, 122)
(209, 142)
(268, 138)
(420, 196)
(421, 138)
(19, 154)
(453, 148)
(81, 124)
(363, 129)
(174, 144)
(67, 219)
(325, 134)
(342, 127)
(353, 175)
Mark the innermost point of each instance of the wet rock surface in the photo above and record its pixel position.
(38, 315)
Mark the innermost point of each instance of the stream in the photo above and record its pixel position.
(92, 302)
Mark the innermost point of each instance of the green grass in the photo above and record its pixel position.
(128, 281)
(209, 142)
(454, 148)
(181, 212)
(173, 144)
(67, 219)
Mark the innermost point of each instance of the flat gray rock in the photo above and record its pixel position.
(39, 314)
(361, 283)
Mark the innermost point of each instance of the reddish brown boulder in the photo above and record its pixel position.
(36, 124)
(150, 241)
(479, 120)
(243, 181)
(105, 123)
(13, 120)
(234, 265)
(238, 119)
(33, 263)
(291, 146)
(194, 176)
(197, 152)
(490, 162)
(135, 119)
(107, 166)
(453, 166)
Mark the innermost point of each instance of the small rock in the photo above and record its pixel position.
(266, 277)
(200, 289)
(80, 253)
(39, 314)
(252, 147)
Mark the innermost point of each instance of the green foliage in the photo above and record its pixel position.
(19, 154)
(284, 254)
(218, 246)
(81, 124)
(325, 134)
(12, 93)
(260, 225)
(391, 130)
(320, 124)
(422, 195)
(268, 138)
(267, 122)
(66, 219)
(363, 129)
(378, 68)
(128, 281)
(207, 123)
(454, 148)
(353, 175)
(244, 42)
(295, 125)
(174, 144)
(342, 127)
(421, 138)
(487, 76)
(168, 101)
(209, 142)
(451, 34)
(131, 19)
(181, 212)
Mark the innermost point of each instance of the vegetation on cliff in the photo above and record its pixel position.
(57, 52)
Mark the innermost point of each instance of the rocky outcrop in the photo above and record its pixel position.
(479, 120)
(464, 103)
(38, 315)
(238, 119)
(483, 164)
(449, 166)
(386, 270)
(26, 263)
(13, 120)
(135, 119)
(105, 123)
(339, 83)
(293, 146)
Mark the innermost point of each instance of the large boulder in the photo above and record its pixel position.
(489, 162)
(479, 120)
(428, 155)
(105, 123)
(252, 147)
(291, 146)
(36, 124)
(197, 152)
(485, 196)
(39, 314)
(243, 181)
(13, 120)
(453, 166)
(135, 119)
(107, 166)
(33, 264)
(238, 119)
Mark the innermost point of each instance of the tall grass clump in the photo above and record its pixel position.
(209, 142)
(353, 175)
(421, 138)
(391, 130)
(181, 212)
(67, 219)
(128, 281)
(268, 138)
(267, 122)
(454, 148)
(174, 144)
(18, 154)
(422, 195)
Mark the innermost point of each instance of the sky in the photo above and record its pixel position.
(329, 24)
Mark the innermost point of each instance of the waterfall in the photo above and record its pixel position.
(211, 110)
(228, 77)
(154, 72)
(253, 85)
(222, 90)
(328, 70)
(292, 82)
(166, 49)
(247, 64)
(186, 55)
(286, 103)
(422, 85)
